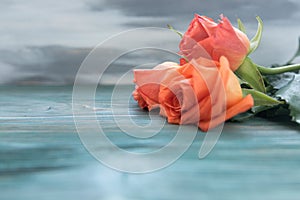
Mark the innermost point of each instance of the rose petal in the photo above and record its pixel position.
(242, 106)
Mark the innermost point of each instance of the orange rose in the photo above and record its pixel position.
(215, 40)
(207, 94)
(177, 99)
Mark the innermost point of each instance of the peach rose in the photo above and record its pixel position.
(177, 99)
(206, 93)
(214, 40)
(148, 84)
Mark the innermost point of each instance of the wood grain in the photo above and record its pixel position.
(42, 157)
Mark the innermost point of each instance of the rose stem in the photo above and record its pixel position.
(278, 70)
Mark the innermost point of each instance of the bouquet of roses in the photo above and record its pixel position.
(215, 80)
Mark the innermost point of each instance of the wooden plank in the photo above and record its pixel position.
(42, 157)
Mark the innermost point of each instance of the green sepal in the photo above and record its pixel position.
(241, 26)
(261, 99)
(248, 72)
(173, 29)
(255, 41)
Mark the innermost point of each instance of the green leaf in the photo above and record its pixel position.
(255, 41)
(248, 72)
(259, 109)
(241, 26)
(291, 94)
(261, 99)
(280, 80)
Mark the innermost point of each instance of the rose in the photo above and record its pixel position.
(217, 90)
(148, 84)
(206, 93)
(205, 38)
(177, 99)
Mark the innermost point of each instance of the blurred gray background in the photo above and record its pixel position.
(44, 42)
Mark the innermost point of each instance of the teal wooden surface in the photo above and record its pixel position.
(42, 157)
